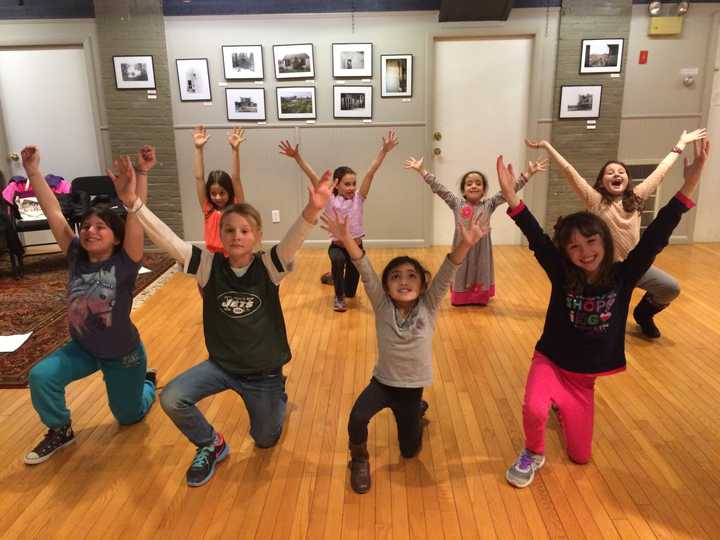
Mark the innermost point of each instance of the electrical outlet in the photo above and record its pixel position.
(276, 216)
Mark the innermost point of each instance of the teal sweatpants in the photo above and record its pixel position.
(129, 394)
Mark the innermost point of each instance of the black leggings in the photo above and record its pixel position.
(345, 276)
(405, 405)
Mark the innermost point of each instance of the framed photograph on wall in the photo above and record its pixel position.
(294, 61)
(396, 75)
(295, 103)
(193, 79)
(245, 104)
(580, 101)
(352, 60)
(134, 72)
(243, 62)
(601, 55)
(352, 101)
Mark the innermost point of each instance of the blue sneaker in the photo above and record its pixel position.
(522, 472)
(203, 466)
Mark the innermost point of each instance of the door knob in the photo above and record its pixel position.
(14, 156)
(437, 135)
(437, 151)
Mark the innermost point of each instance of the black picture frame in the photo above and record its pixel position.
(608, 55)
(246, 68)
(405, 78)
(289, 91)
(294, 53)
(197, 88)
(344, 55)
(356, 102)
(579, 101)
(134, 72)
(231, 96)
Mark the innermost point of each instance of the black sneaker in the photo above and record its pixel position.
(55, 439)
(424, 406)
(203, 466)
(326, 279)
(151, 375)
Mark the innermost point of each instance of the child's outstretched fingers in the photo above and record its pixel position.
(413, 163)
(288, 149)
(319, 195)
(200, 136)
(30, 156)
(533, 144)
(236, 137)
(390, 142)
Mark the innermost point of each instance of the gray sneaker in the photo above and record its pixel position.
(340, 305)
(522, 472)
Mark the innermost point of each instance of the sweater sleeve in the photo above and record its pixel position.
(452, 200)
(539, 242)
(588, 194)
(440, 284)
(498, 199)
(279, 260)
(648, 186)
(655, 238)
(371, 282)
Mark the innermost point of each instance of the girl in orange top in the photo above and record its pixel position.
(221, 189)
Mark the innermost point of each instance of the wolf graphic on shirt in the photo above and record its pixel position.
(91, 299)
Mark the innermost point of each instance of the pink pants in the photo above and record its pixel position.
(572, 393)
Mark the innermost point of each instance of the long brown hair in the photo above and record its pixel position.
(587, 224)
(630, 201)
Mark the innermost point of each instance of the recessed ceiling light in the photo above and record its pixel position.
(654, 8)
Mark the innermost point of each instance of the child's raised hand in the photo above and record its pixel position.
(288, 149)
(200, 136)
(335, 225)
(474, 231)
(125, 182)
(692, 171)
(321, 193)
(413, 163)
(535, 144)
(686, 138)
(540, 165)
(506, 178)
(30, 158)
(146, 158)
(389, 142)
(236, 137)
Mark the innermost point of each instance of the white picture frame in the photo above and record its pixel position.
(352, 101)
(295, 61)
(601, 55)
(193, 79)
(396, 75)
(242, 62)
(352, 60)
(134, 72)
(578, 101)
(296, 102)
(245, 104)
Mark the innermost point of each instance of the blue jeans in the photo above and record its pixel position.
(130, 395)
(264, 397)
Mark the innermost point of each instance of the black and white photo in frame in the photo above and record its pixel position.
(294, 61)
(352, 60)
(296, 103)
(352, 101)
(134, 72)
(245, 104)
(396, 75)
(601, 55)
(193, 79)
(243, 62)
(580, 101)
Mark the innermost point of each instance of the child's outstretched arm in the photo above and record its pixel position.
(200, 137)
(648, 186)
(236, 138)
(134, 233)
(388, 143)
(452, 200)
(59, 226)
(589, 195)
(540, 243)
(287, 149)
(159, 233)
(533, 168)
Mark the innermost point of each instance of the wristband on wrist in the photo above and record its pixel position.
(138, 170)
(677, 150)
(137, 205)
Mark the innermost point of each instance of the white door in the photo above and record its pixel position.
(481, 107)
(46, 101)
(707, 226)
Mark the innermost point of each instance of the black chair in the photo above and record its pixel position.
(87, 191)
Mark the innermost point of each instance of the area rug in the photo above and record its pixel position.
(37, 303)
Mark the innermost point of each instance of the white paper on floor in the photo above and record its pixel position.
(144, 270)
(12, 343)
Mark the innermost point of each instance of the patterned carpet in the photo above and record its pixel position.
(37, 303)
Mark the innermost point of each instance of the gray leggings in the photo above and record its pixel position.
(661, 286)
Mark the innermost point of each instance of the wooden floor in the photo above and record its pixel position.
(654, 474)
